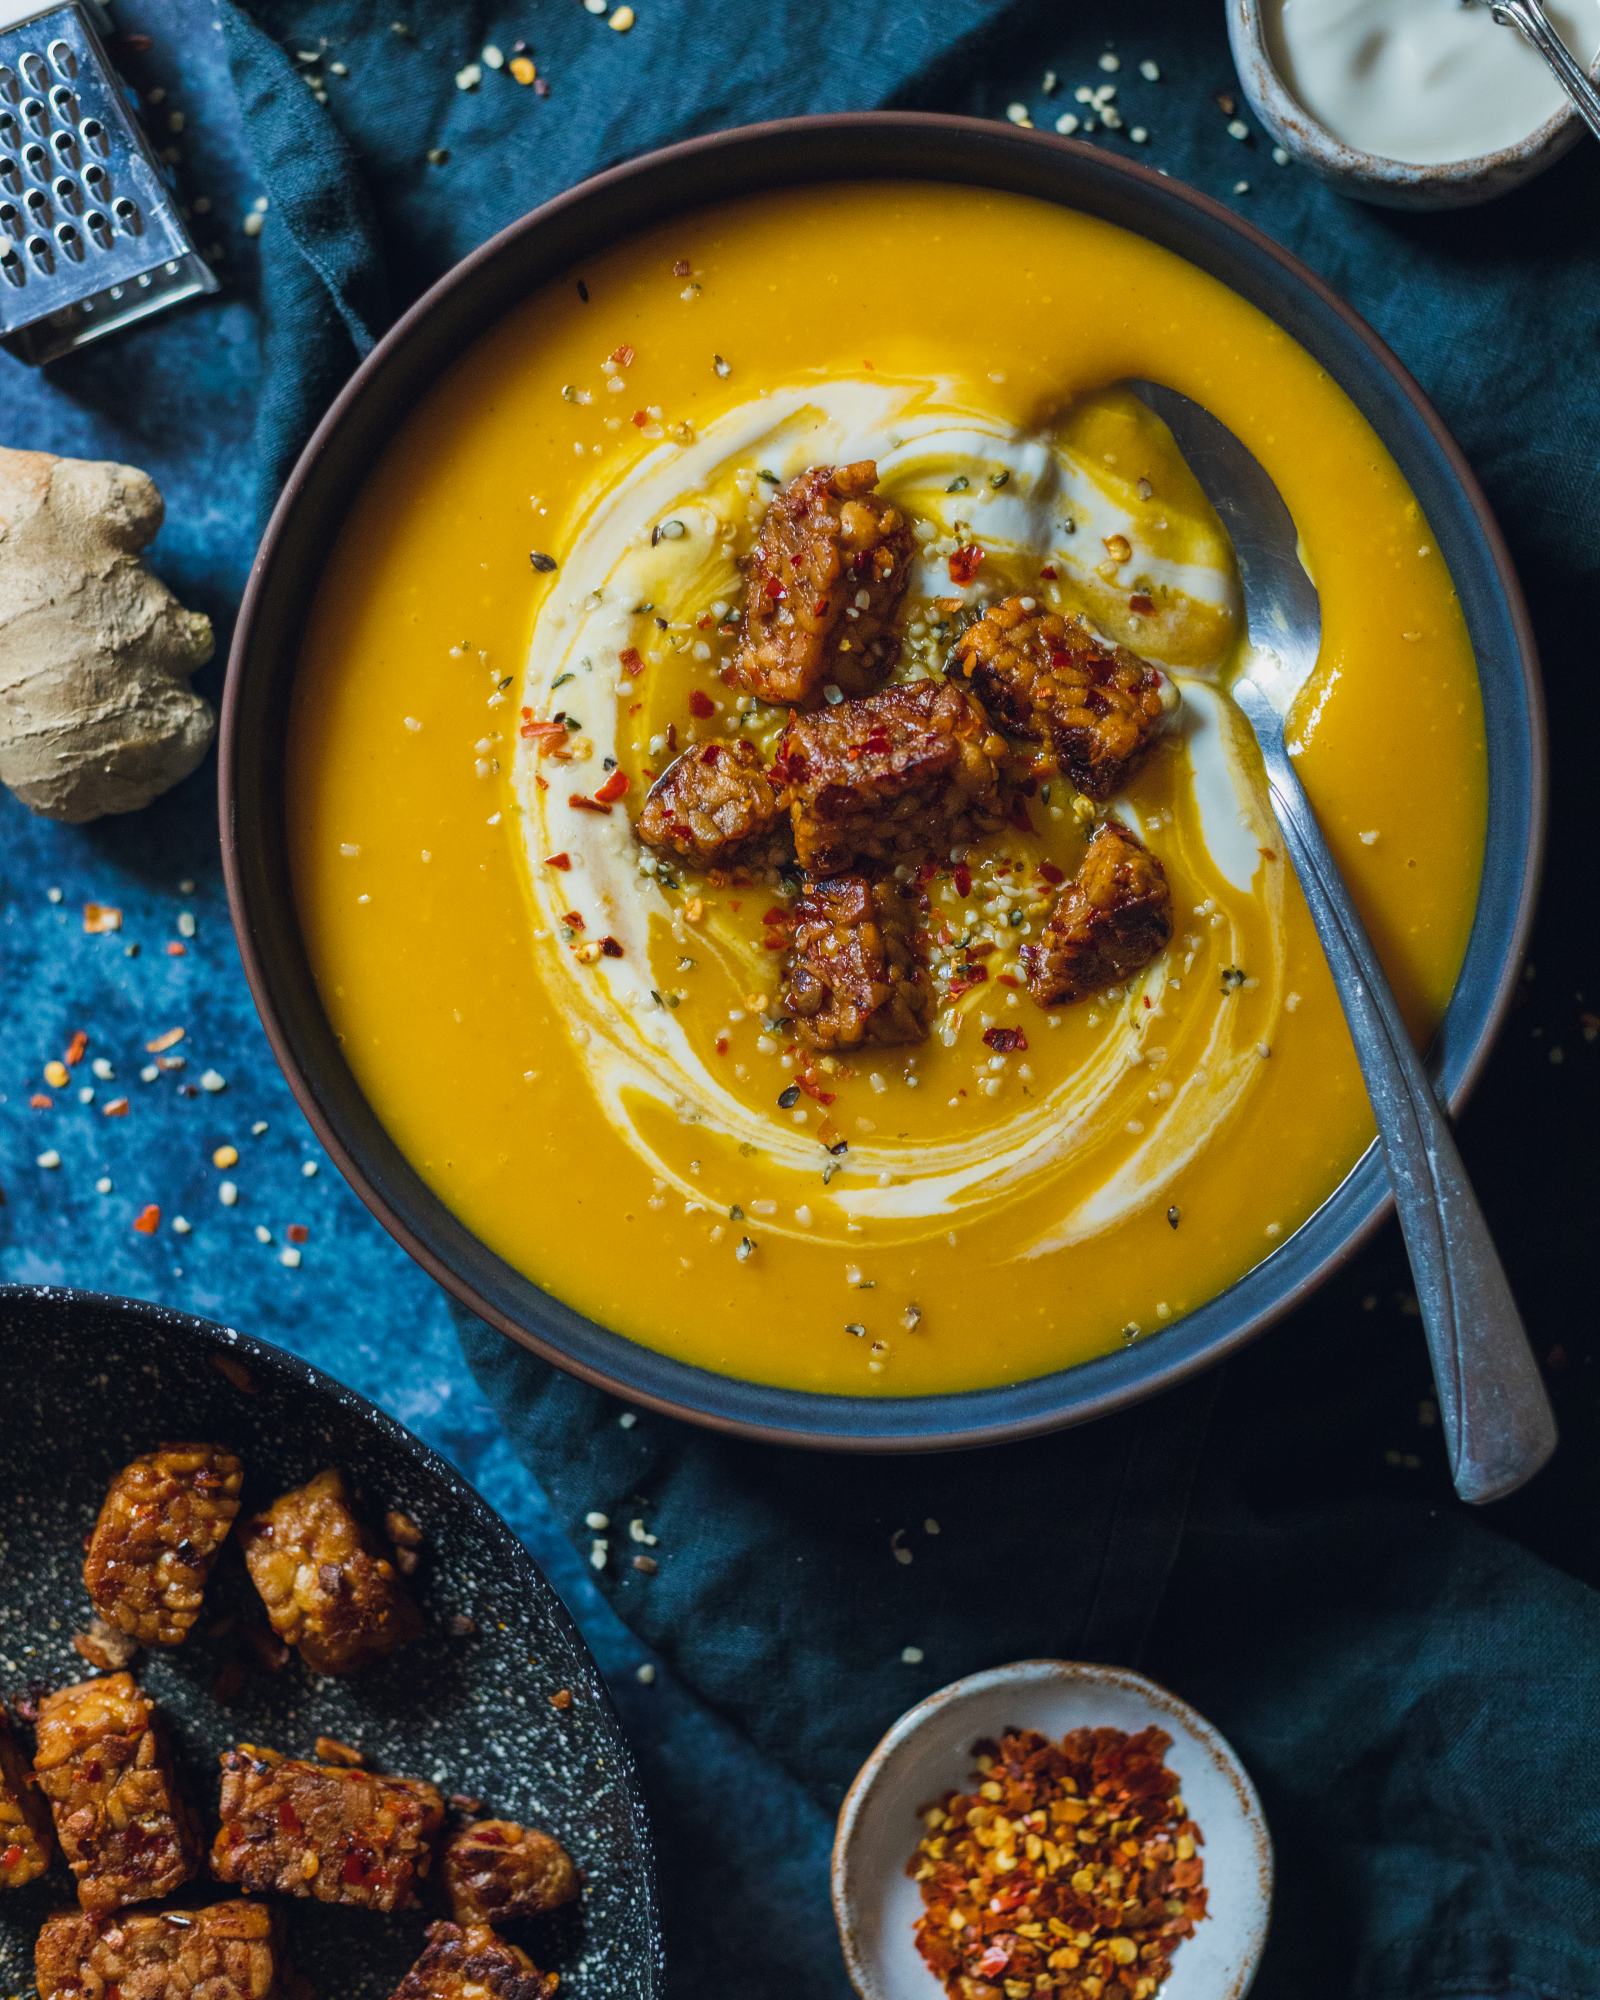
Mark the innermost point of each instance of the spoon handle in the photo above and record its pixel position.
(1498, 1425)
(1535, 26)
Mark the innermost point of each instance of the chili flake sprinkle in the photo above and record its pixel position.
(1070, 1868)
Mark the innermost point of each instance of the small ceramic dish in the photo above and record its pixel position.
(929, 1751)
(1369, 176)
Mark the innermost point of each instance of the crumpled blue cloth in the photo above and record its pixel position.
(1413, 1692)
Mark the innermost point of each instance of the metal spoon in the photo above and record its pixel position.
(1539, 31)
(1498, 1425)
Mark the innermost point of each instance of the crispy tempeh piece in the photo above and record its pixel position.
(26, 1847)
(855, 972)
(715, 807)
(103, 1764)
(227, 1951)
(824, 583)
(334, 1832)
(163, 1520)
(901, 775)
(328, 1586)
(1111, 919)
(474, 1964)
(1098, 706)
(496, 1872)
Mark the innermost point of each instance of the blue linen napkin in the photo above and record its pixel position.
(1411, 1691)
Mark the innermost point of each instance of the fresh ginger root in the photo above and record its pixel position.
(96, 712)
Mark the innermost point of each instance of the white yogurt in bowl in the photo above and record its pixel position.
(1414, 103)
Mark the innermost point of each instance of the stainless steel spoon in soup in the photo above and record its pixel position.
(1497, 1421)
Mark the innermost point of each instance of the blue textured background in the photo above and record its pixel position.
(1499, 314)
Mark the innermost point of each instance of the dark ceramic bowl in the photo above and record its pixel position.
(85, 1383)
(439, 329)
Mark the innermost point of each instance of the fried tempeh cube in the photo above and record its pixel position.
(716, 807)
(227, 1951)
(103, 1764)
(474, 1964)
(497, 1872)
(328, 1586)
(25, 1844)
(823, 584)
(1097, 706)
(164, 1518)
(910, 772)
(854, 972)
(334, 1832)
(1112, 918)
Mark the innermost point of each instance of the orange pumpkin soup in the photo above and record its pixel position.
(585, 1045)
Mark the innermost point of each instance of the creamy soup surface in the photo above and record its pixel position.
(581, 1045)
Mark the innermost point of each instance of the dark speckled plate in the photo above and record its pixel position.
(87, 1382)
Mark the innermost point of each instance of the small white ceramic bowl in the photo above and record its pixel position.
(929, 1751)
(1369, 176)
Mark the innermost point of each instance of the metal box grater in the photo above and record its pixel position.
(89, 237)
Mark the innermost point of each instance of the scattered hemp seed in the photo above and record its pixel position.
(1174, 1216)
(744, 1250)
(722, 368)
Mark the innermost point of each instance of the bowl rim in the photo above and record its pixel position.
(218, 1337)
(1304, 133)
(643, 1375)
(1016, 1673)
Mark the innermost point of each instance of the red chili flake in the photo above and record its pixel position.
(117, 1108)
(573, 920)
(176, 950)
(357, 1869)
(623, 355)
(701, 704)
(721, 1045)
(711, 753)
(1019, 815)
(289, 1819)
(961, 875)
(1051, 873)
(76, 1050)
(994, 1961)
(12, 1858)
(613, 788)
(774, 588)
(777, 915)
(563, 860)
(682, 268)
(562, 1698)
(545, 734)
(641, 418)
(148, 1220)
(1005, 1041)
(98, 918)
(297, 1232)
(814, 1090)
(965, 562)
(1048, 572)
(583, 804)
(39, 1102)
(632, 660)
(1141, 603)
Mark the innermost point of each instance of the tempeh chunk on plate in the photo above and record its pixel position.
(823, 585)
(25, 1843)
(1109, 921)
(163, 1520)
(497, 1872)
(1097, 706)
(102, 1762)
(329, 1587)
(474, 1964)
(715, 806)
(902, 775)
(227, 1951)
(337, 1833)
(854, 973)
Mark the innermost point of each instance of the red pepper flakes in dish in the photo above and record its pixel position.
(1005, 1041)
(613, 788)
(701, 704)
(965, 562)
(1070, 1869)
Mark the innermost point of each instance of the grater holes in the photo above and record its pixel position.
(37, 203)
(63, 58)
(98, 228)
(71, 242)
(9, 90)
(32, 66)
(11, 266)
(36, 160)
(10, 218)
(10, 178)
(64, 104)
(129, 220)
(65, 147)
(95, 137)
(10, 132)
(97, 181)
(34, 116)
(67, 194)
(43, 256)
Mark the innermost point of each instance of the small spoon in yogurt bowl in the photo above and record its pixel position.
(1498, 1425)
